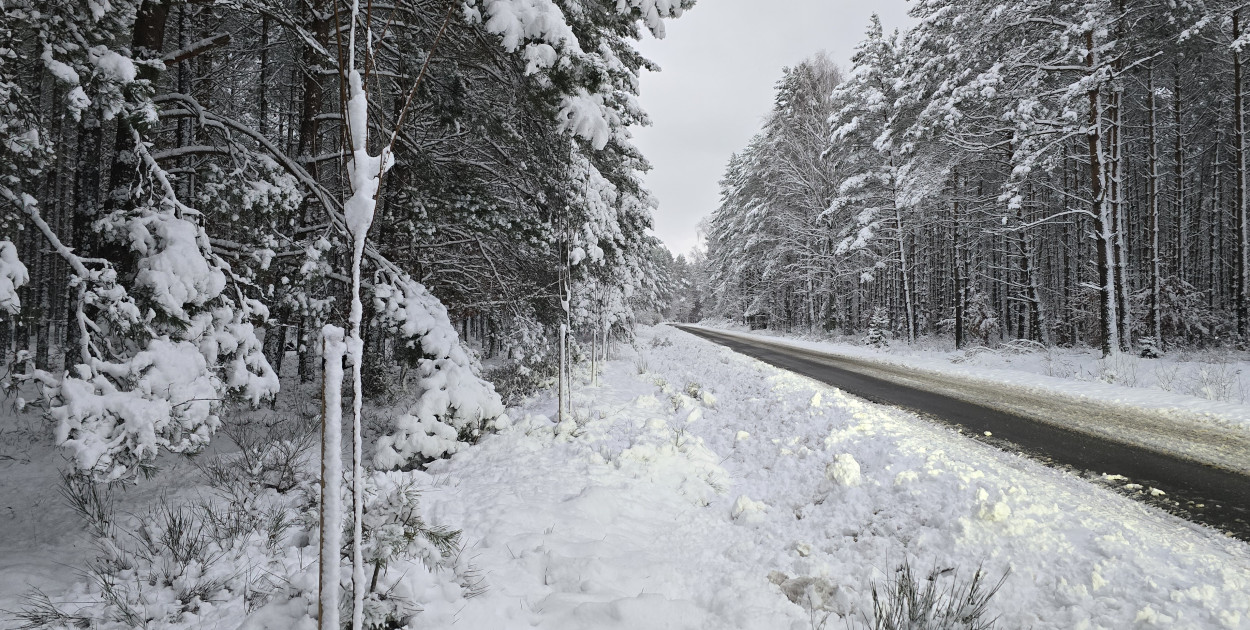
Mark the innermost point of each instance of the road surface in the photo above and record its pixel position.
(1040, 426)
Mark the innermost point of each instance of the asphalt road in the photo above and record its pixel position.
(1034, 425)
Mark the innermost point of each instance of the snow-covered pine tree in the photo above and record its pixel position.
(878, 335)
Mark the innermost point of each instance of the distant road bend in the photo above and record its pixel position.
(1086, 435)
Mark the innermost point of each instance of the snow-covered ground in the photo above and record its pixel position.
(698, 488)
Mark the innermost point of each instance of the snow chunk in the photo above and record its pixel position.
(1151, 616)
(517, 21)
(906, 477)
(647, 610)
(113, 65)
(747, 510)
(1000, 511)
(844, 470)
(812, 593)
(169, 401)
(585, 115)
(175, 267)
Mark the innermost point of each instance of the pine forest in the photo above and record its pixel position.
(1067, 173)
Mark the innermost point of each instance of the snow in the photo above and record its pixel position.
(59, 69)
(585, 115)
(782, 500)
(1203, 394)
(844, 470)
(112, 65)
(542, 32)
(451, 394)
(518, 21)
(366, 172)
(168, 402)
(335, 347)
(580, 529)
(155, 388)
(173, 267)
(13, 275)
(654, 12)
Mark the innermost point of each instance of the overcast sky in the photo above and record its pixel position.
(720, 62)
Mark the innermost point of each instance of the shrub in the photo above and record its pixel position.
(514, 381)
(272, 454)
(939, 601)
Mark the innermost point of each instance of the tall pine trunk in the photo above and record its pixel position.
(1104, 221)
(1152, 196)
(1243, 213)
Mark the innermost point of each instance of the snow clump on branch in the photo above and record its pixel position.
(13, 275)
(160, 360)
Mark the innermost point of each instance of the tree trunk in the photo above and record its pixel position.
(1114, 191)
(1178, 181)
(1152, 195)
(309, 147)
(148, 41)
(1104, 224)
(1243, 213)
(960, 288)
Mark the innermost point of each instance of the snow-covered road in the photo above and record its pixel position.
(1201, 469)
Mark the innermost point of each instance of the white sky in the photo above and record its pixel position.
(720, 61)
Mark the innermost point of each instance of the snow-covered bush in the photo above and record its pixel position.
(1184, 314)
(1149, 348)
(816, 595)
(395, 533)
(1118, 369)
(532, 359)
(982, 320)
(273, 454)
(1218, 381)
(242, 551)
(453, 403)
(514, 381)
(149, 568)
(13, 275)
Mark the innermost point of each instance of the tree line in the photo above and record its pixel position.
(177, 182)
(1060, 172)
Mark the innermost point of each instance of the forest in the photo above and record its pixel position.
(178, 182)
(328, 314)
(1067, 173)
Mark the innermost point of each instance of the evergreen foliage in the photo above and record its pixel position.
(1063, 173)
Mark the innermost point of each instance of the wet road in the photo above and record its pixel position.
(1034, 425)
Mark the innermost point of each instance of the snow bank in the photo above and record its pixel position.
(788, 496)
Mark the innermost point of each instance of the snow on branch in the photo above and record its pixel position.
(155, 363)
(452, 399)
(13, 275)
